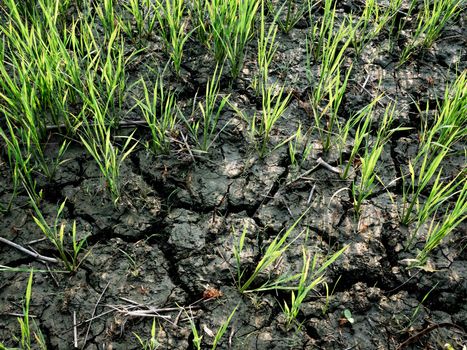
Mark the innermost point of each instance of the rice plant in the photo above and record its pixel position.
(308, 279)
(274, 105)
(160, 112)
(363, 188)
(210, 112)
(29, 332)
(143, 16)
(222, 329)
(362, 120)
(266, 49)
(231, 25)
(20, 160)
(325, 46)
(97, 138)
(272, 253)
(55, 233)
(106, 14)
(151, 343)
(172, 27)
(453, 217)
(435, 146)
(431, 20)
(288, 13)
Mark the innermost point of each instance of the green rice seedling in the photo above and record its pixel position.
(199, 15)
(24, 322)
(172, 27)
(56, 235)
(366, 184)
(453, 217)
(112, 83)
(106, 14)
(31, 336)
(196, 337)
(272, 253)
(274, 105)
(418, 182)
(293, 12)
(160, 114)
(325, 46)
(96, 136)
(436, 142)
(440, 193)
(221, 331)
(36, 81)
(266, 50)
(320, 31)
(143, 17)
(97, 139)
(231, 25)
(430, 22)
(450, 124)
(210, 112)
(300, 147)
(363, 120)
(335, 93)
(367, 26)
(308, 279)
(151, 343)
(19, 160)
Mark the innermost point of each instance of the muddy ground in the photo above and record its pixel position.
(171, 237)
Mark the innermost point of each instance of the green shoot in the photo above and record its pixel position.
(151, 343)
(452, 219)
(273, 252)
(160, 113)
(231, 24)
(172, 28)
(210, 112)
(56, 235)
(221, 331)
(274, 105)
(266, 50)
(430, 22)
(293, 13)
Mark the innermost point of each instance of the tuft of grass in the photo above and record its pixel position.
(151, 343)
(366, 184)
(431, 20)
(453, 217)
(56, 235)
(210, 111)
(324, 45)
(436, 141)
(106, 13)
(172, 27)
(26, 337)
(160, 112)
(308, 279)
(288, 13)
(272, 253)
(231, 25)
(143, 17)
(266, 49)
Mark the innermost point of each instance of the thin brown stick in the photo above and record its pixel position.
(28, 252)
(430, 328)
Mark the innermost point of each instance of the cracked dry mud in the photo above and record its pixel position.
(172, 236)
